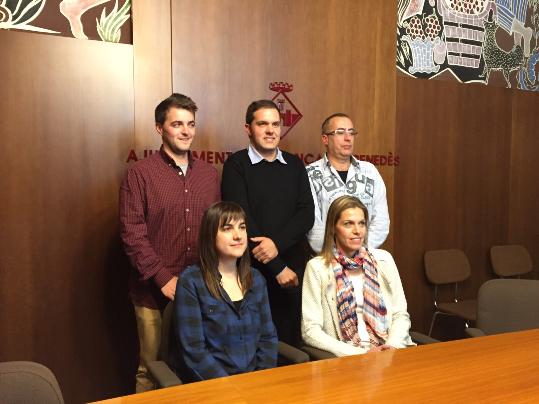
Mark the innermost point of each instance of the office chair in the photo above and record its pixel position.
(28, 383)
(161, 372)
(444, 267)
(510, 260)
(317, 354)
(422, 339)
(506, 305)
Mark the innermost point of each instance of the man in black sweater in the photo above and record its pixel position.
(272, 187)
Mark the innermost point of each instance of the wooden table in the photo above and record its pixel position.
(495, 369)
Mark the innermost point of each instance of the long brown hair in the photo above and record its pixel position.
(337, 207)
(218, 215)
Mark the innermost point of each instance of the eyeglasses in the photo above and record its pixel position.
(342, 132)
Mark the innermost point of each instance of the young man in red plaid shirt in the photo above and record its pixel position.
(162, 200)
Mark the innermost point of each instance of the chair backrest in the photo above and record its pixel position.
(166, 333)
(510, 260)
(27, 383)
(506, 305)
(446, 266)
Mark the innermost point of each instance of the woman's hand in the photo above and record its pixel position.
(381, 348)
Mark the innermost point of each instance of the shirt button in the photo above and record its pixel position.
(187, 210)
(188, 229)
(186, 190)
(188, 248)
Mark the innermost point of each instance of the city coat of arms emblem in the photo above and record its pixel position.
(290, 115)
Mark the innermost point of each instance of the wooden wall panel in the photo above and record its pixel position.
(151, 66)
(337, 54)
(524, 188)
(451, 189)
(66, 121)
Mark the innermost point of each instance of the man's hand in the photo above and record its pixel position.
(169, 290)
(287, 278)
(265, 251)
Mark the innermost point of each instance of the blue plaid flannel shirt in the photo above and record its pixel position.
(214, 338)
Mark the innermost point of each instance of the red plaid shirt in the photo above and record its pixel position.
(160, 214)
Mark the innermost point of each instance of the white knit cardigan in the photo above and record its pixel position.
(320, 321)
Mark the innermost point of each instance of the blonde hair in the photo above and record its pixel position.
(338, 206)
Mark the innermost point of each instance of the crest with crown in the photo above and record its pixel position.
(290, 115)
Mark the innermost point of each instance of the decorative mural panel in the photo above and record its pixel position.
(486, 41)
(104, 20)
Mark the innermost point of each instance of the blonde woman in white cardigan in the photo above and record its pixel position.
(353, 301)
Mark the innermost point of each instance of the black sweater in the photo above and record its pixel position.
(276, 198)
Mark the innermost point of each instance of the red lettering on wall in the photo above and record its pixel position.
(132, 156)
(220, 157)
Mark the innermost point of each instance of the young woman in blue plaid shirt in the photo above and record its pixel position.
(222, 317)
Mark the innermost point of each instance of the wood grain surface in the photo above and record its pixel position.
(66, 120)
(500, 368)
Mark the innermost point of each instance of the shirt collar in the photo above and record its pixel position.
(353, 161)
(255, 156)
(170, 161)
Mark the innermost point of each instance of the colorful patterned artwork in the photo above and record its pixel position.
(103, 20)
(487, 41)
(20, 15)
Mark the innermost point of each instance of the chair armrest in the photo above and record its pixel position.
(422, 339)
(474, 332)
(163, 375)
(292, 354)
(317, 354)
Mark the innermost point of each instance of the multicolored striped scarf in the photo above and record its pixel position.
(374, 309)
